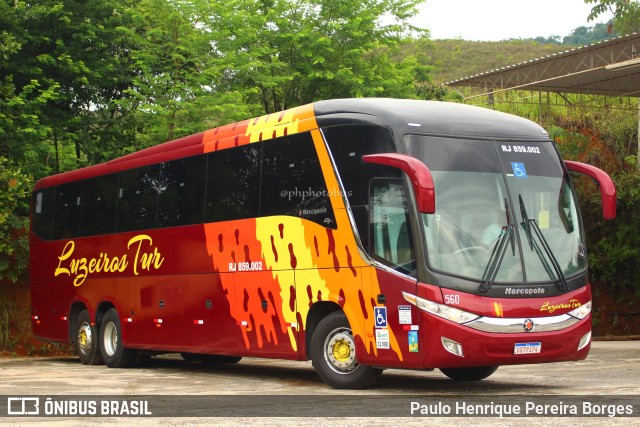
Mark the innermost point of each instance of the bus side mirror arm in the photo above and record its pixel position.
(418, 174)
(607, 187)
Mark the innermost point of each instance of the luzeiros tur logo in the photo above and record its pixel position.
(35, 406)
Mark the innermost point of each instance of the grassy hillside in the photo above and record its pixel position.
(453, 59)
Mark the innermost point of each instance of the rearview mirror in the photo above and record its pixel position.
(607, 187)
(418, 174)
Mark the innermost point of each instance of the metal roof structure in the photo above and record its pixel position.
(609, 68)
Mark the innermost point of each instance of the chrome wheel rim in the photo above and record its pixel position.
(340, 351)
(85, 338)
(110, 340)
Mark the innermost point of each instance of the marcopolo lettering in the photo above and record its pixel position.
(524, 291)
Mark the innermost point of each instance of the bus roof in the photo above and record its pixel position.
(405, 116)
(435, 118)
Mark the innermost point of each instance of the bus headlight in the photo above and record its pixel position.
(581, 312)
(450, 313)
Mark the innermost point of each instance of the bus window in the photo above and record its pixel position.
(348, 143)
(292, 181)
(391, 241)
(181, 201)
(233, 183)
(138, 199)
(42, 212)
(67, 213)
(99, 197)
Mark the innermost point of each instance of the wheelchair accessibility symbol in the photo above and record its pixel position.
(518, 170)
(380, 314)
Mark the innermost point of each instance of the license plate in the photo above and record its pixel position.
(527, 348)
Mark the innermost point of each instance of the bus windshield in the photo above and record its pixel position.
(504, 211)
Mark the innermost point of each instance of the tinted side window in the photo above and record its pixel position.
(137, 199)
(233, 183)
(391, 241)
(67, 211)
(292, 181)
(181, 188)
(99, 197)
(348, 144)
(42, 211)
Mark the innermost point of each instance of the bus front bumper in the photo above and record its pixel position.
(451, 345)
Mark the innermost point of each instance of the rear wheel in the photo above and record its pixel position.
(86, 340)
(476, 373)
(111, 347)
(333, 353)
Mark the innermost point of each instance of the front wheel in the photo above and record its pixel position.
(86, 340)
(333, 353)
(476, 373)
(111, 347)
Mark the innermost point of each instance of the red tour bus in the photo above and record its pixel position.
(361, 234)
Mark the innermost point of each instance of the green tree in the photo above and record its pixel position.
(178, 88)
(626, 14)
(583, 35)
(15, 187)
(63, 63)
(290, 52)
(62, 66)
(629, 22)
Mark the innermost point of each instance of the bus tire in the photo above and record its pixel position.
(111, 348)
(475, 373)
(333, 354)
(85, 342)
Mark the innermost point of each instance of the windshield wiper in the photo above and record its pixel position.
(531, 224)
(525, 221)
(497, 254)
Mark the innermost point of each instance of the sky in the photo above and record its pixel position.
(494, 20)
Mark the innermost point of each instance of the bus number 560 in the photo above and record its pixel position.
(452, 299)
